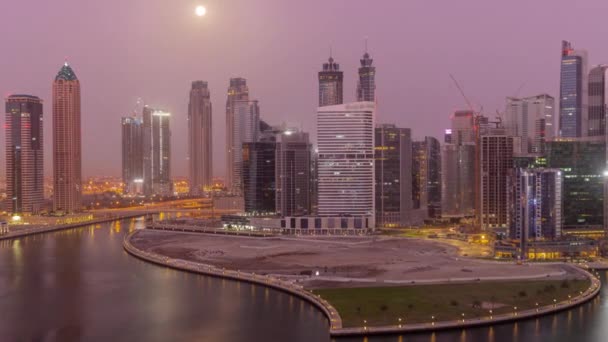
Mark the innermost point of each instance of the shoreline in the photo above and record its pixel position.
(333, 316)
(55, 228)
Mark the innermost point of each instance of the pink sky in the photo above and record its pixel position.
(122, 50)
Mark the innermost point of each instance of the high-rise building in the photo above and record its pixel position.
(366, 85)
(393, 173)
(259, 177)
(582, 162)
(331, 81)
(426, 176)
(200, 138)
(530, 119)
(293, 173)
(157, 152)
(67, 155)
(345, 139)
(535, 204)
(237, 91)
(463, 127)
(458, 180)
(24, 154)
(496, 161)
(573, 111)
(132, 155)
(598, 100)
(245, 129)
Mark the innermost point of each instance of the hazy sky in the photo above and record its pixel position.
(153, 49)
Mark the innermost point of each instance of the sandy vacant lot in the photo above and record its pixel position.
(341, 261)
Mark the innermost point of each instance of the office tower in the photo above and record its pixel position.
(245, 128)
(582, 162)
(157, 152)
(366, 85)
(393, 179)
(530, 119)
(259, 177)
(237, 91)
(457, 180)
(293, 173)
(426, 176)
(24, 154)
(314, 181)
(67, 158)
(447, 136)
(496, 161)
(598, 99)
(535, 204)
(330, 84)
(345, 139)
(132, 155)
(573, 111)
(200, 138)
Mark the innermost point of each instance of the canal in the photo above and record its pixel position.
(79, 284)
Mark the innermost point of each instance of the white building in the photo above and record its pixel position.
(345, 139)
(531, 119)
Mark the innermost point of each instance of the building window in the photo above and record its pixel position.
(358, 223)
(344, 223)
(317, 223)
(304, 223)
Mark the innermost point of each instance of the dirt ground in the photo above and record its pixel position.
(342, 261)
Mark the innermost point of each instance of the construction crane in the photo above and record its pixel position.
(466, 99)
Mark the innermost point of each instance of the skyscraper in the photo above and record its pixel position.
(157, 152)
(458, 180)
(293, 173)
(237, 91)
(393, 175)
(530, 119)
(200, 138)
(366, 85)
(330, 84)
(24, 154)
(496, 161)
(132, 155)
(426, 176)
(345, 138)
(598, 100)
(573, 111)
(67, 160)
(463, 127)
(535, 204)
(245, 129)
(259, 176)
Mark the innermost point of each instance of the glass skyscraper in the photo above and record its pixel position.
(597, 100)
(573, 115)
(330, 84)
(366, 86)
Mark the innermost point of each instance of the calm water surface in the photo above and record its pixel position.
(80, 285)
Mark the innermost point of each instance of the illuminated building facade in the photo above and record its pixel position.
(393, 175)
(132, 155)
(426, 176)
(345, 139)
(67, 154)
(157, 152)
(24, 154)
(573, 111)
(331, 81)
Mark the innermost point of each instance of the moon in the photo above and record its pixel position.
(200, 11)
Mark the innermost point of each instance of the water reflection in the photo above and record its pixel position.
(79, 284)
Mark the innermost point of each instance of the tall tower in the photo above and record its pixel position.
(531, 119)
(132, 155)
(293, 173)
(157, 152)
(393, 175)
(237, 91)
(573, 111)
(366, 86)
(598, 100)
(67, 159)
(24, 154)
(200, 138)
(345, 137)
(331, 81)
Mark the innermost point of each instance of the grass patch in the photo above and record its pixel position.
(415, 304)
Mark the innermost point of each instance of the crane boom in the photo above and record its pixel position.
(466, 99)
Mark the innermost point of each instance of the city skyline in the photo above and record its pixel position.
(415, 76)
